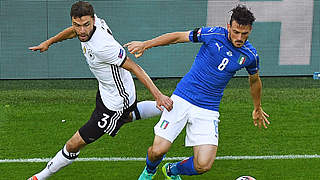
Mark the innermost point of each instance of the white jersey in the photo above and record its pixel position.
(105, 56)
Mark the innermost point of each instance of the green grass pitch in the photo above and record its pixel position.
(30, 127)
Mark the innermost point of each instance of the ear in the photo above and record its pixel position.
(72, 20)
(228, 27)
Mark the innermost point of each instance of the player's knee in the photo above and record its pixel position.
(74, 146)
(75, 143)
(156, 152)
(202, 167)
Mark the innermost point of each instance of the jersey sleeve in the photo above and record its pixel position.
(203, 34)
(99, 22)
(254, 66)
(115, 55)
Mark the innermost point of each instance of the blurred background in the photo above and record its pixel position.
(286, 35)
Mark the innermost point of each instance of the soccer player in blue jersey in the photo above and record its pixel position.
(198, 94)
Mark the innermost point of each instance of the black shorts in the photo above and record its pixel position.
(104, 120)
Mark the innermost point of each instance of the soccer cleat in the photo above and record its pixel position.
(172, 177)
(146, 176)
(33, 178)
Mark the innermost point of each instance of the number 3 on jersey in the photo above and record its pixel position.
(223, 64)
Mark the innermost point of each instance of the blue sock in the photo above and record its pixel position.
(184, 167)
(152, 166)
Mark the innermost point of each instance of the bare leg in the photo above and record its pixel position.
(204, 156)
(75, 143)
(160, 147)
(155, 154)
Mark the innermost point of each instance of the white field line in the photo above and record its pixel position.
(168, 158)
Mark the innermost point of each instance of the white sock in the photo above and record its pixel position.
(56, 163)
(146, 109)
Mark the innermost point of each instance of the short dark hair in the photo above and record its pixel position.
(242, 15)
(81, 8)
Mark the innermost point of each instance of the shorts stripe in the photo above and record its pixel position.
(119, 114)
(113, 122)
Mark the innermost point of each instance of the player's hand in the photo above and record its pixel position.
(42, 47)
(164, 101)
(136, 48)
(260, 117)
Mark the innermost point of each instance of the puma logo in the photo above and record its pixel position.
(219, 47)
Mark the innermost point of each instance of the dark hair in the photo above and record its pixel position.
(81, 8)
(242, 15)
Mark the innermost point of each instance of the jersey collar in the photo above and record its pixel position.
(94, 30)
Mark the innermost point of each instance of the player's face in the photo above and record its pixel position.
(83, 27)
(238, 34)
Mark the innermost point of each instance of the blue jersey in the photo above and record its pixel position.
(215, 64)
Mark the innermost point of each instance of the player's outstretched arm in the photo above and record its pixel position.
(138, 47)
(162, 100)
(67, 33)
(258, 115)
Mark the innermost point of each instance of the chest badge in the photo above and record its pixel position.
(242, 59)
(84, 50)
(229, 53)
(90, 54)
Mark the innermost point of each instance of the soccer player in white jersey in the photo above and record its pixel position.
(198, 94)
(116, 102)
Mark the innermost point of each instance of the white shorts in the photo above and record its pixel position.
(202, 124)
